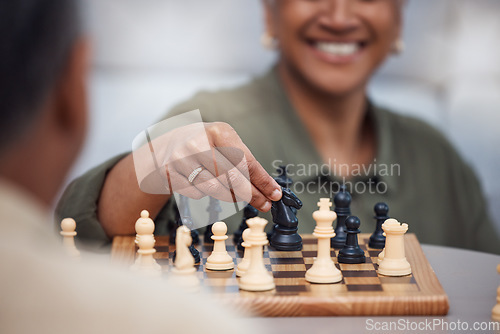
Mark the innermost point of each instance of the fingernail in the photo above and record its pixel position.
(266, 207)
(276, 195)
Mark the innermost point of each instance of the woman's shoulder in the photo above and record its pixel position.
(411, 130)
(227, 103)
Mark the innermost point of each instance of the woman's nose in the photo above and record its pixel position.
(339, 15)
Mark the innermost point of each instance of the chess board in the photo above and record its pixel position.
(361, 292)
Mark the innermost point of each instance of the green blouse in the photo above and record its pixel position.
(416, 171)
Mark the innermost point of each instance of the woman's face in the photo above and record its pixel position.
(334, 45)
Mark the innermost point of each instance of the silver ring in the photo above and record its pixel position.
(195, 173)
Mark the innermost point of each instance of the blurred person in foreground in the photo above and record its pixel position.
(312, 109)
(43, 67)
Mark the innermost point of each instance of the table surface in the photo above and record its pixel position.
(469, 278)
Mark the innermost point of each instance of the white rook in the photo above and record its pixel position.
(394, 262)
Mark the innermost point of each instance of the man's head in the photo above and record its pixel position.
(43, 108)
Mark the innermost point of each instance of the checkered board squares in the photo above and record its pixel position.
(361, 292)
(289, 269)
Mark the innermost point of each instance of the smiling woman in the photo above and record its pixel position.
(328, 52)
(312, 107)
(333, 46)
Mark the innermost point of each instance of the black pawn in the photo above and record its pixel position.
(213, 210)
(248, 213)
(343, 209)
(377, 239)
(352, 253)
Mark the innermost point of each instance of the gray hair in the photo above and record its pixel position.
(36, 38)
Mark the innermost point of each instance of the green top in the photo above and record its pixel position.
(416, 172)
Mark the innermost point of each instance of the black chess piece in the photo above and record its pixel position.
(195, 237)
(213, 210)
(248, 213)
(351, 252)
(285, 182)
(283, 179)
(377, 239)
(172, 226)
(342, 202)
(184, 218)
(187, 220)
(285, 236)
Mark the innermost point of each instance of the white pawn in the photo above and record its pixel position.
(68, 226)
(145, 262)
(495, 312)
(245, 262)
(184, 271)
(394, 262)
(257, 278)
(144, 226)
(323, 269)
(219, 259)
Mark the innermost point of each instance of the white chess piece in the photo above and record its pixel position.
(184, 271)
(245, 262)
(381, 256)
(219, 259)
(323, 269)
(394, 262)
(257, 278)
(382, 253)
(145, 262)
(495, 312)
(144, 226)
(68, 226)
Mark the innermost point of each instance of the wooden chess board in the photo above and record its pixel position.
(361, 292)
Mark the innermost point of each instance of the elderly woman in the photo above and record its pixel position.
(311, 112)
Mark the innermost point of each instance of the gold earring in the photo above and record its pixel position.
(268, 42)
(399, 46)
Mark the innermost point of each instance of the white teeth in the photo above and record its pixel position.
(340, 49)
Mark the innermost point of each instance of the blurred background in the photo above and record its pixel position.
(151, 54)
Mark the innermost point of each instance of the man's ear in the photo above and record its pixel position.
(71, 94)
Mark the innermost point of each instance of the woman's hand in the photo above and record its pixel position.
(204, 159)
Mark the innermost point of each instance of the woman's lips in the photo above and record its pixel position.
(337, 52)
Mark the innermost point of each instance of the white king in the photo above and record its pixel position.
(323, 269)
